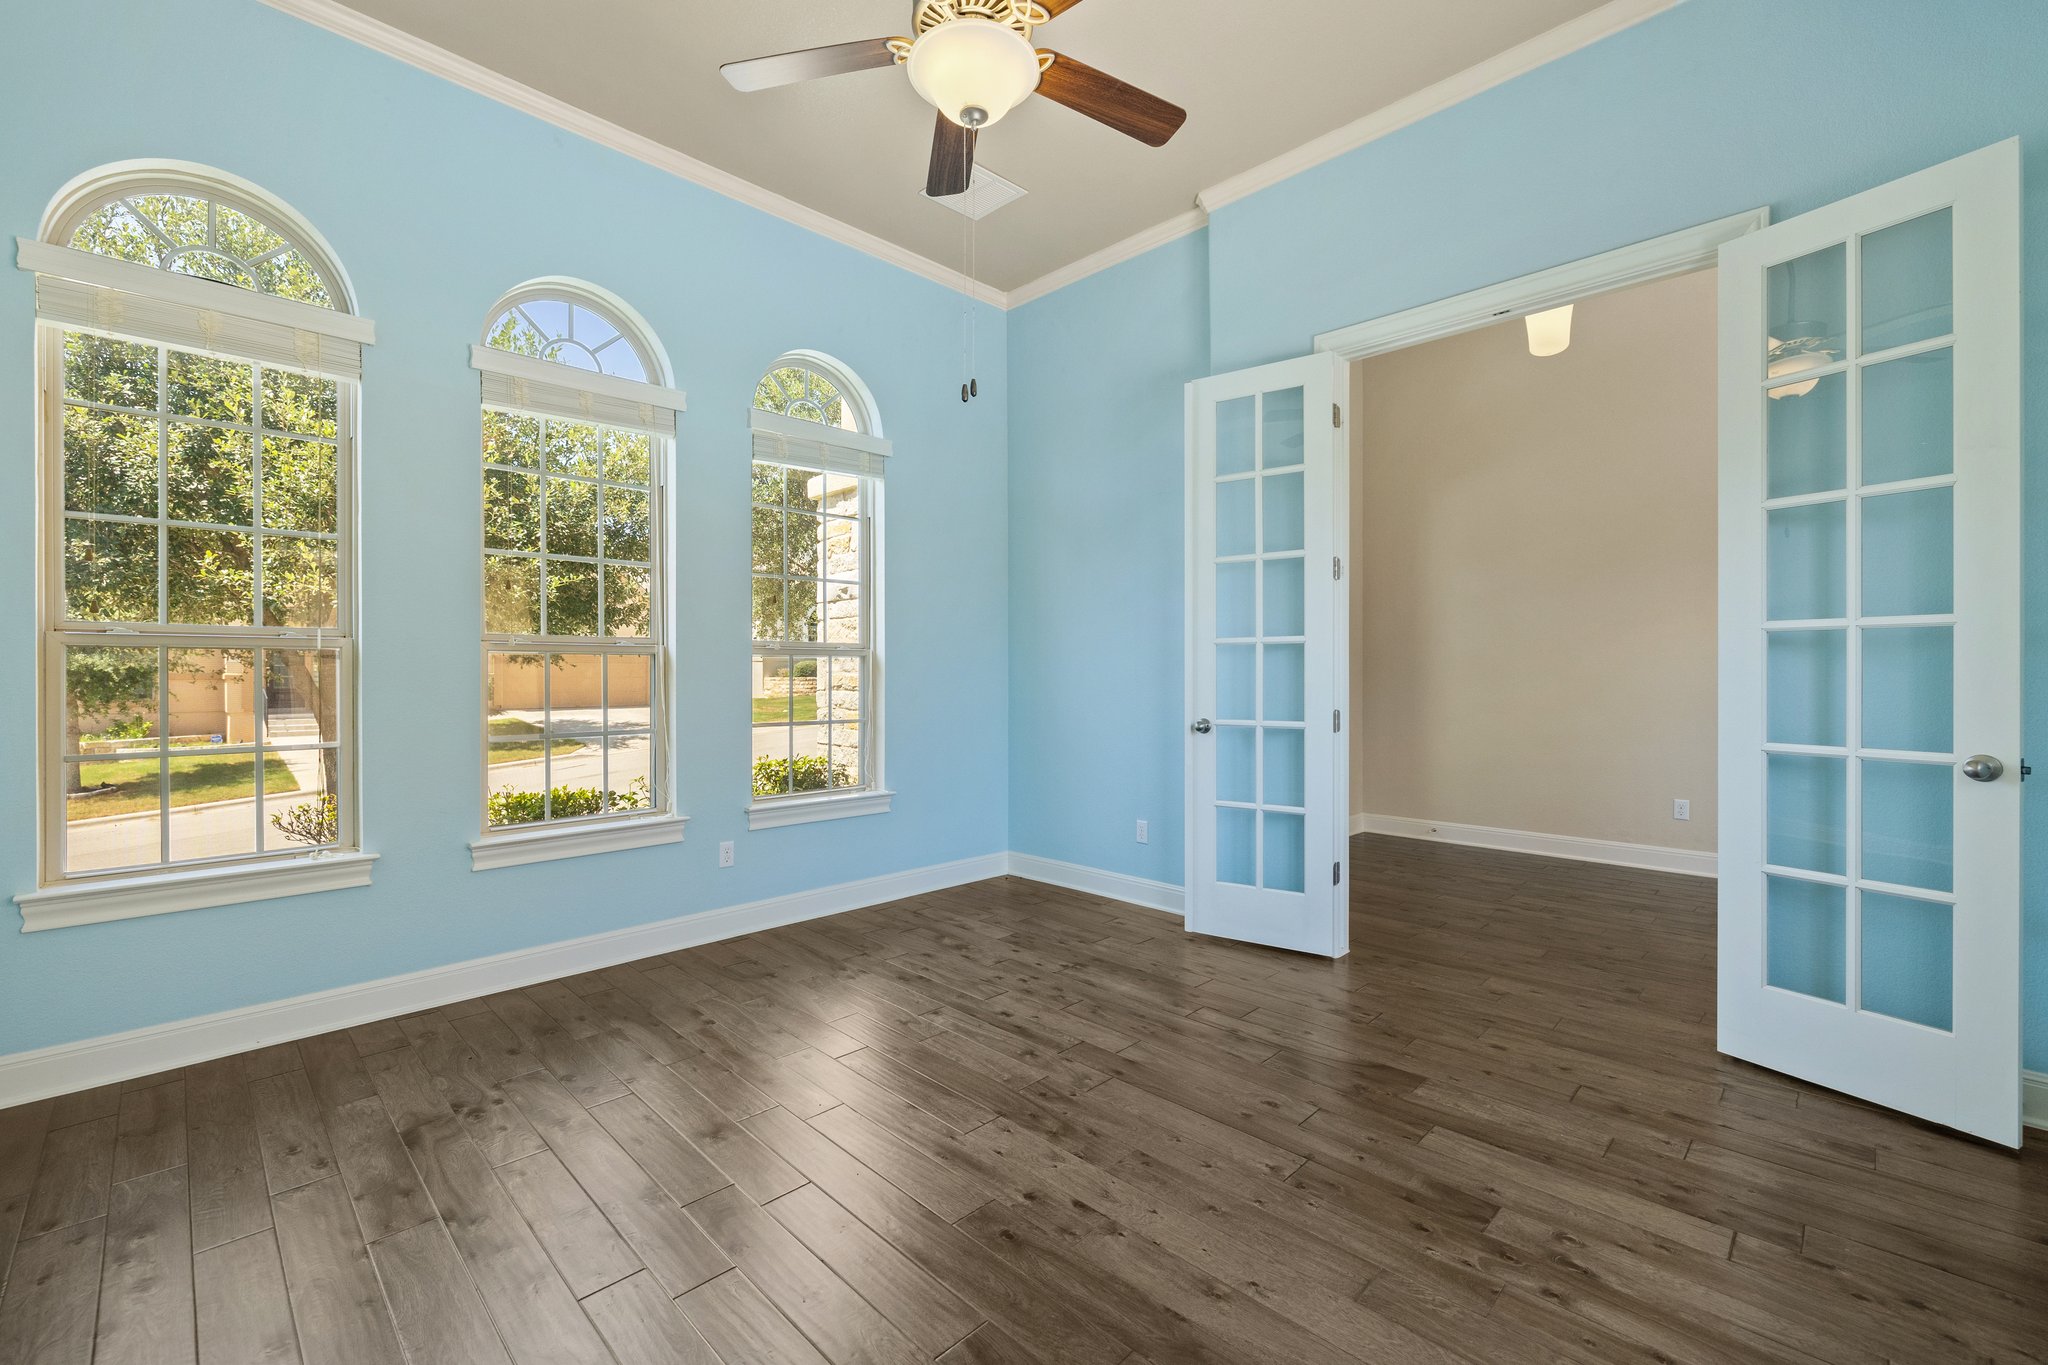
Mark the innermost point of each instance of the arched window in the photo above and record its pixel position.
(817, 491)
(545, 324)
(805, 388)
(576, 444)
(187, 231)
(198, 623)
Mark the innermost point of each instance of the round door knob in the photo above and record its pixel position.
(1202, 726)
(1983, 768)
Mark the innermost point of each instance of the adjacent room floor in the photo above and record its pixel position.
(1008, 1123)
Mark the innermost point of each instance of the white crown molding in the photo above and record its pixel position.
(1137, 244)
(1651, 857)
(1562, 41)
(393, 42)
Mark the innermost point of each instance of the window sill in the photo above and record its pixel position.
(805, 810)
(163, 893)
(574, 841)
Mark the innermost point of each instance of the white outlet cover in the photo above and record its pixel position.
(1144, 831)
(725, 854)
(1681, 809)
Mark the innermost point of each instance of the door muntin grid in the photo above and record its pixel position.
(1260, 567)
(1859, 749)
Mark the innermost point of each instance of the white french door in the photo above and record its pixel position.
(1267, 657)
(1870, 646)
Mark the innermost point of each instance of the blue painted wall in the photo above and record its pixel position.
(1034, 554)
(1096, 380)
(1712, 108)
(437, 201)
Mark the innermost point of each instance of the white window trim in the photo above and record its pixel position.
(812, 807)
(548, 389)
(131, 896)
(546, 843)
(492, 361)
(89, 898)
(781, 439)
(186, 291)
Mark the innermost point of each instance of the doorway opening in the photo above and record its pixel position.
(1533, 606)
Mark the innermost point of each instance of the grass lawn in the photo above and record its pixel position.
(799, 707)
(193, 780)
(514, 753)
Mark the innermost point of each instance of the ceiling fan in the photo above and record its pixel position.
(974, 62)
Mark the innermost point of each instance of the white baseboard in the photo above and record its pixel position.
(58, 1070)
(1112, 885)
(1649, 856)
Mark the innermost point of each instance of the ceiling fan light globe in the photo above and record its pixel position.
(975, 65)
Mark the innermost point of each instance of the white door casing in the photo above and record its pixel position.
(1268, 656)
(1870, 645)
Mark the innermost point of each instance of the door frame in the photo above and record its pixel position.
(1657, 258)
(1674, 253)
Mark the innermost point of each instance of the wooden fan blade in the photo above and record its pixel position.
(1106, 99)
(952, 159)
(1055, 8)
(788, 68)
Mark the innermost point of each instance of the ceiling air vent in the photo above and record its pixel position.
(985, 193)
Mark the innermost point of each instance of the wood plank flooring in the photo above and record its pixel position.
(1007, 1124)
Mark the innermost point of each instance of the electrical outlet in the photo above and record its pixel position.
(725, 854)
(1144, 831)
(1681, 809)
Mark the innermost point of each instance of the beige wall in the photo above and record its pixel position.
(1533, 639)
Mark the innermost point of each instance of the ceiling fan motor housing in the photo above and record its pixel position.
(972, 59)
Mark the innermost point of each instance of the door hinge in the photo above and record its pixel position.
(1337, 567)
(1337, 416)
(1336, 874)
(2026, 770)
(1337, 722)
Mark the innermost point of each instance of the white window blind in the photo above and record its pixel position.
(78, 289)
(808, 445)
(543, 388)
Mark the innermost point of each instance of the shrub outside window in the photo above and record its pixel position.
(199, 543)
(574, 651)
(814, 511)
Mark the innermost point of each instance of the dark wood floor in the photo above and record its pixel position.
(1007, 1124)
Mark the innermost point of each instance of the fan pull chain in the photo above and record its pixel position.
(971, 389)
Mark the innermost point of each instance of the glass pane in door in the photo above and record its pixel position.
(1909, 418)
(1807, 437)
(1808, 310)
(1908, 960)
(1909, 689)
(1860, 779)
(1807, 563)
(1261, 606)
(1806, 938)
(1909, 282)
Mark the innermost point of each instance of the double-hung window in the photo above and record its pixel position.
(199, 374)
(817, 491)
(576, 439)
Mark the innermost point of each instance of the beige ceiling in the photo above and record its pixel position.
(1258, 78)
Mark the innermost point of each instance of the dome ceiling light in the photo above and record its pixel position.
(973, 61)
